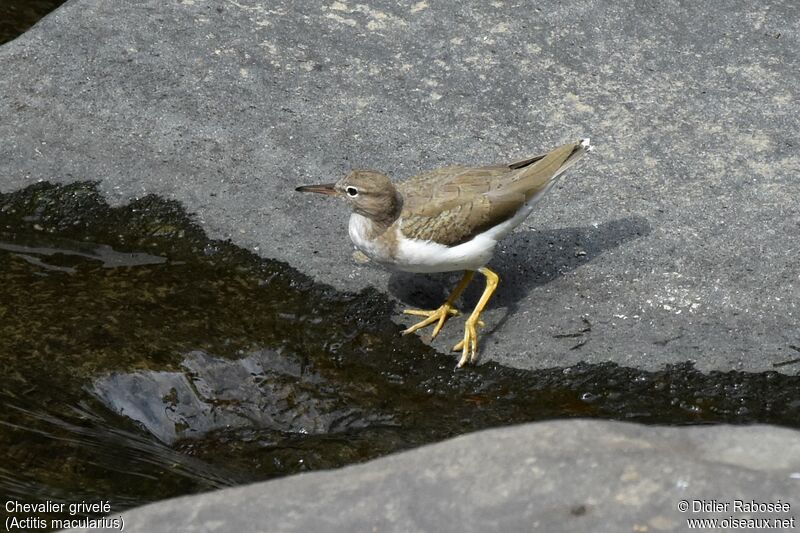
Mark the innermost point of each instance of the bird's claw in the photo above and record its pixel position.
(469, 345)
(439, 316)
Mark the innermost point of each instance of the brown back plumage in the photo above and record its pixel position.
(451, 205)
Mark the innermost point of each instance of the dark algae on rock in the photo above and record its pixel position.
(141, 359)
(16, 16)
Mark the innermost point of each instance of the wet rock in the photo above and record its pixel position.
(332, 383)
(549, 476)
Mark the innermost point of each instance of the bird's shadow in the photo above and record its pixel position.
(524, 260)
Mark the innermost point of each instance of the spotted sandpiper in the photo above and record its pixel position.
(448, 219)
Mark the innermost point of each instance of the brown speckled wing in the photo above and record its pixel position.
(451, 205)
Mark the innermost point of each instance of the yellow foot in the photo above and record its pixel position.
(439, 316)
(469, 345)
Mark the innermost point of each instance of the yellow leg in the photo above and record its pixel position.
(443, 313)
(469, 346)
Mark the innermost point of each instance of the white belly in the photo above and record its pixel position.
(415, 255)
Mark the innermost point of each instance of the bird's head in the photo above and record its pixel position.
(368, 193)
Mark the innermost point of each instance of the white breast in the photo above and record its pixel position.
(359, 233)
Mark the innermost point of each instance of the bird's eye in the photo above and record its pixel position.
(352, 192)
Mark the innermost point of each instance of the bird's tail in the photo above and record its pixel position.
(578, 150)
(538, 173)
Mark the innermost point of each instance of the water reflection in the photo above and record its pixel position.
(266, 390)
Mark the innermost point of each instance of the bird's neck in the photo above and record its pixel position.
(380, 219)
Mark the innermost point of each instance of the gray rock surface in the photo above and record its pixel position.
(677, 240)
(551, 476)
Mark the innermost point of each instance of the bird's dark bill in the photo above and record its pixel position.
(325, 188)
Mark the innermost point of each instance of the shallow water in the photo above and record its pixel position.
(142, 361)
